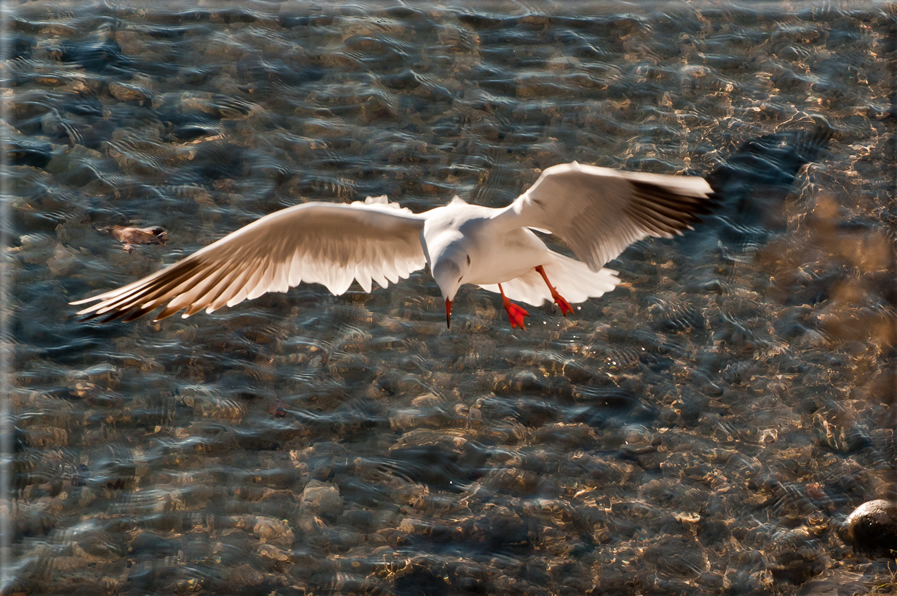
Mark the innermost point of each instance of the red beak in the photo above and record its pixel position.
(448, 313)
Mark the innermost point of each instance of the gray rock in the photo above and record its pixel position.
(835, 582)
(872, 527)
(321, 498)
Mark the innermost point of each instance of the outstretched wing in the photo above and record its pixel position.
(598, 212)
(330, 244)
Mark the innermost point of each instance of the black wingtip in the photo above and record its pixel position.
(664, 211)
(125, 316)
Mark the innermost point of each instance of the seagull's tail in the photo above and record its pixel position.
(573, 280)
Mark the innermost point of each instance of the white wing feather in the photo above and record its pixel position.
(598, 212)
(330, 244)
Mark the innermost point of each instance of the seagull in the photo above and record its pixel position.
(596, 211)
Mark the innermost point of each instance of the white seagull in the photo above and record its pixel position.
(597, 212)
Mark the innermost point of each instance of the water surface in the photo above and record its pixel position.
(702, 429)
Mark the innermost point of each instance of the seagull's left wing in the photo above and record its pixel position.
(598, 212)
(325, 243)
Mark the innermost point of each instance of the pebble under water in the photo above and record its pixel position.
(706, 428)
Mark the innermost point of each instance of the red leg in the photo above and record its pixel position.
(558, 299)
(515, 313)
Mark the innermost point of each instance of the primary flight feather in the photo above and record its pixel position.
(597, 212)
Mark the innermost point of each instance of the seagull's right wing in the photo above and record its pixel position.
(598, 212)
(330, 244)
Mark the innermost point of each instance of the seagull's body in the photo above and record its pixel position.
(473, 230)
(598, 212)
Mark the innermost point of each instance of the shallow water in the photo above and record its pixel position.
(704, 428)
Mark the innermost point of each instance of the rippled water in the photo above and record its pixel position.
(702, 429)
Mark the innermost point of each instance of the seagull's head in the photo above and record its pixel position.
(448, 271)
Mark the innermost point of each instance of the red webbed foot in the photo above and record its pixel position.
(516, 314)
(562, 303)
(558, 299)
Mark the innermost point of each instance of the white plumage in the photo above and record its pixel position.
(598, 212)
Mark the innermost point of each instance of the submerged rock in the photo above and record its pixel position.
(321, 498)
(29, 153)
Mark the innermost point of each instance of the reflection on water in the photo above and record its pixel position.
(704, 428)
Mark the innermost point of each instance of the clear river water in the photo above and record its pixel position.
(705, 428)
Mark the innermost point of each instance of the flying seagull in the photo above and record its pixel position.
(597, 212)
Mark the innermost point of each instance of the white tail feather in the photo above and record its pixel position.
(573, 280)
